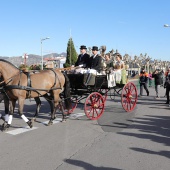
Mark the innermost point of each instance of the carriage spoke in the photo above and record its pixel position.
(129, 97)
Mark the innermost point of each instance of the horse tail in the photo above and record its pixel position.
(67, 95)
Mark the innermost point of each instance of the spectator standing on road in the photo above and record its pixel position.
(83, 58)
(157, 75)
(167, 84)
(143, 80)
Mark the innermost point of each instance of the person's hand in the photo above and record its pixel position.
(81, 65)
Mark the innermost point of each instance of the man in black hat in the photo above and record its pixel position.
(83, 58)
(95, 59)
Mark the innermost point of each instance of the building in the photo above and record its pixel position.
(54, 62)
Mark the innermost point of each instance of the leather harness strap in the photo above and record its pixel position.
(28, 88)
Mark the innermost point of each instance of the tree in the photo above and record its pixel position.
(71, 54)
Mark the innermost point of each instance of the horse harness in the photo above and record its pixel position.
(29, 87)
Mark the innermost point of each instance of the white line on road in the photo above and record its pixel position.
(27, 128)
(21, 130)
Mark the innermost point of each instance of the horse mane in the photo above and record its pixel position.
(9, 63)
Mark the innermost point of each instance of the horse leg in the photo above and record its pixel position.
(8, 116)
(62, 111)
(38, 103)
(20, 111)
(54, 106)
(50, 101)
(6, 105)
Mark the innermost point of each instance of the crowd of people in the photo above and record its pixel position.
(160, 79)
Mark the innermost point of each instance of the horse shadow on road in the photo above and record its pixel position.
(86, 165)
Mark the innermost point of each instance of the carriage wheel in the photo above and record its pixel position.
(74, 105)
(104, 92)
(66, 111)
(94, 106)
(129, 97)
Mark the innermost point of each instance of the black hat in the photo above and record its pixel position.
(94, 48)
(83, 47)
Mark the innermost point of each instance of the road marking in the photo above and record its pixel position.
(21, 130)
(27, 128)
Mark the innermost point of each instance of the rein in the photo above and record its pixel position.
(10, 79)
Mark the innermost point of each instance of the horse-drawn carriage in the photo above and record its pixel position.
(53, 85)
(95, 94)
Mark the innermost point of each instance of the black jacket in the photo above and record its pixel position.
(158, 78)
(83, 60)
(95, 63)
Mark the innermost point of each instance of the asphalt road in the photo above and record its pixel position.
(139, 140)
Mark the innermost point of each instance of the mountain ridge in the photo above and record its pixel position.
(32, 58)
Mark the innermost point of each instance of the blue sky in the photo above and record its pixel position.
(131, 26)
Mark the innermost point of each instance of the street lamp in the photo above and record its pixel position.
(166, 25)
(42, 39)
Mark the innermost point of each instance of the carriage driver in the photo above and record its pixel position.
(83, 58)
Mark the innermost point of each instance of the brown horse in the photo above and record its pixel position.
(47, 83)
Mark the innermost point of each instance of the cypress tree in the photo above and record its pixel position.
(71, 54)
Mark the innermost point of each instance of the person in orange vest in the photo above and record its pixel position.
(143, 80)
(167, 84)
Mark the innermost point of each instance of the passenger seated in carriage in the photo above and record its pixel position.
(108, 62)
(95, 67)
(119, 63)
(95, 59)
(117, 72)
(119, 69)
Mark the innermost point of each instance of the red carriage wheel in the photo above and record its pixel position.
(66, 111)
(74, 105)
(129, 97)
(94, 106)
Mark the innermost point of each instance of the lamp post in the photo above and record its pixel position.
(42, 39)
(166, 25)
(25, 56)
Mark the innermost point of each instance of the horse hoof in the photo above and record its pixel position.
(50, 123)
(63, 121)
(33, 120)
(5, 127)
(30, 124)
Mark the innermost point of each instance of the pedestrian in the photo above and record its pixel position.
(143, 80)
(157, 75)
(167, 84)
(150, 79)
(83, 58)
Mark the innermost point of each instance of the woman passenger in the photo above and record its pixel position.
(119, 63)
(109, 62)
